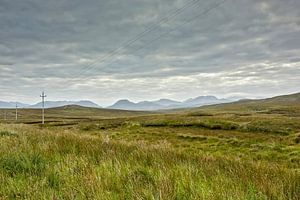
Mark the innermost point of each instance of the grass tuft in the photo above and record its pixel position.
(24, 164)
(7, 133)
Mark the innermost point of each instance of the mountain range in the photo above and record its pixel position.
(49, 104)
(53, 104)
(162, 103)
(168, 104)
(4, 104)
(128, 105)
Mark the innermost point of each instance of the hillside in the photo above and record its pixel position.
(279, 104)
(67, 113)
(285, 99)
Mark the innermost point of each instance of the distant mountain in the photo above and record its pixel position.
(4, 104)
(53, 104)
(203, 100)
(167, 103)
(123, 104)
(128, 105)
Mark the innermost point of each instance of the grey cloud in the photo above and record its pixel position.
(50, 45)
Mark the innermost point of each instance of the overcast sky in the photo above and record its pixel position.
(179, 49)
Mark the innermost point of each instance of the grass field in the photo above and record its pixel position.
(248, 150)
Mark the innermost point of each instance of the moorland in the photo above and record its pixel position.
(244, 150)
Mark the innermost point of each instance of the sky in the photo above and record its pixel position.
(146, 50)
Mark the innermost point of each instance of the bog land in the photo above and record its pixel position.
(244, 150)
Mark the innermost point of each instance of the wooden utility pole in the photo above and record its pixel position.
(43, 96)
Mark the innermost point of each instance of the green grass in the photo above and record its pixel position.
(16, 164)
(66, 165)
(5, 133)
(208, 153)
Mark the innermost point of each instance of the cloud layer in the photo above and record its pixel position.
(243, 47)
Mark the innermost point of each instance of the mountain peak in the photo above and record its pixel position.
(124, 101)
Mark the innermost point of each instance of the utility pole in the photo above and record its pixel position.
(16, 111)
(43, 96)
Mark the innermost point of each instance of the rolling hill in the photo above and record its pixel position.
(66, 113)
(49, 104)
(54, 104)
(279, 104)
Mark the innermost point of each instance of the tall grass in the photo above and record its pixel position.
(59, 164)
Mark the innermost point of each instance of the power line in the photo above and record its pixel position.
(202, 14)
(140, 35)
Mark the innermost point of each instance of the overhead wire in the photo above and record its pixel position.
(139, 36)
(151, 42)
